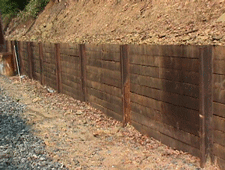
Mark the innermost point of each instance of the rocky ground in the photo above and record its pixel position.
(41, 129)
(19, 148)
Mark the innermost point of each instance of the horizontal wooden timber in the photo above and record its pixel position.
(49, 70)
(71, 77)
(73, 90)
(219, 109)
(48, 47)
(71, 65)
(69, 49)
(176, 99)
(153, 114)
(184, 113)
(49, 57)
(110, 65)
(178, 117)
(218, 66)
(104, 96)
(168, 130)
(105, 88)
(73, 94)
(72, 59)
(144, 60)
(218, 137)
(71, 84)
(108, 112)
(183, 64)
(166, 50)
(146, 101)
(219, 150)
(117, 109)
(179, 76)
(105, 79)
(174, 143)
(219, 123)
(71, 71)
(103, 56)
(218, 52)
(144, 70)
(93, 47)
(165, 86)
(104, 72)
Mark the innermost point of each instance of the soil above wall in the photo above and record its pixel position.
(126, 22)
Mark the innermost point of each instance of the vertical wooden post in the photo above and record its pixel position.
(12, 43)
(58, 68)
(41, 62)
(83, 61)
(205, 100)
(125, 75)
(29, 52)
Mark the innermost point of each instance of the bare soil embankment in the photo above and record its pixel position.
(126, 22)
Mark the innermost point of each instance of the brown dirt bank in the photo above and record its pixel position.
(126, 22)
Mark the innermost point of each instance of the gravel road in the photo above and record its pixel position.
(19, 148)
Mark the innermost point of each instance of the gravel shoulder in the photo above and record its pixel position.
(72, 134)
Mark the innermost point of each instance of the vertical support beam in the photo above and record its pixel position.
(83, 62)
(12, 43)
(58, 68)
(125, 75)
(205, 101)
(30, 60)
(41, 62)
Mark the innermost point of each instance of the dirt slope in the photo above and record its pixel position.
(123, 21)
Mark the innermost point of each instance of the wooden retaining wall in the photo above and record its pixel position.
(219, 105)
(175, 94)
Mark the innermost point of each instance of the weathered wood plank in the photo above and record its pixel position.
(219, 109)
(72, 59)
(218, 137)
(110, 65)
(144, 70)
(179, 76)
(146, 101)
(170, 141)
(219, 123)
(104, 96)
(218, 53)
(168, 86)
(117, 109)
(146, 111)
(219, 150)
(71, 71)
(183, 64)
(71, 78)
(105, 88)
(69, 49)
(71, 65)
(108, 112)
(103, 79)
(112, 56)
(218, 66)
(105, 72)
(169, 130)
(71, 84)
(144, 60)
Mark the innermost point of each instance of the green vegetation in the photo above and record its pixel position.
(22, 9)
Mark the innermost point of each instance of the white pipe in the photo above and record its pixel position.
(17, 63)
